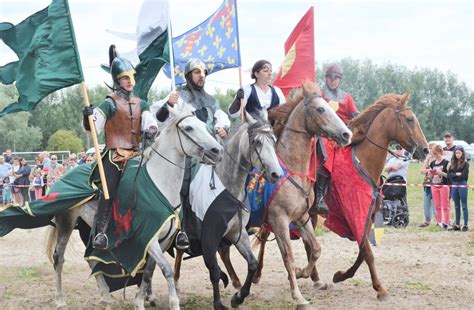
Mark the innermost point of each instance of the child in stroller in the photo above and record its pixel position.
(394, 204)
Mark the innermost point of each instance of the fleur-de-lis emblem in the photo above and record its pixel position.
(202, 50)
(210, 58)
(176, 70)
(229, 31)
(221, 51)
(230, 60)
(210, 31)
(217, 42)
(235, 44)
(181, 41)
(211, 66)
(223, 21)
(186, 54)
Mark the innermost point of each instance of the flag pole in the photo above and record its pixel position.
(242, 115)
(105, 189)
(90, 118)
(241, 99)
(170, 48)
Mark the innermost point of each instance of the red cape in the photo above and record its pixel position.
(352, 198)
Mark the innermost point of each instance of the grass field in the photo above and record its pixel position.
(415, 196)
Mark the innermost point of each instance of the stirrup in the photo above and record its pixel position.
(182, 241)
(101, 241)
(322, 207)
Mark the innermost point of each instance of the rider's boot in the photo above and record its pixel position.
(101, 242)
(319, 205)
(182, 241)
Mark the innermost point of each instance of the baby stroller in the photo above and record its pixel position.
(394, 204)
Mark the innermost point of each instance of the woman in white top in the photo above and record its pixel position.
(259, 95)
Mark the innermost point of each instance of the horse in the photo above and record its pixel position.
(252, 145)
(184, 135)
(300, 119)
(388, 119)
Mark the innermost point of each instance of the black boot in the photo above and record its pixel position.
(182, 241)
(101, 242)
(319, 205)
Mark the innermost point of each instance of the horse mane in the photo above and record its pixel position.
(360, 125)
(279, 115)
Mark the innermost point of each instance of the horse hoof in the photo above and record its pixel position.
(256, 280)
(153, 302)
(338, 277)
(383, 296)
(236, 301)
(320, 285)
(105, 305)
(304, 307)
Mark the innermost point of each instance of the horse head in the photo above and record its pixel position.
(258, 147)
(320, 118)
(408, 132)
(192, 135)
(390, 115)
(308, 109)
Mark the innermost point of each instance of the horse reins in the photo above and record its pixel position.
(181, 143)
(414, 144)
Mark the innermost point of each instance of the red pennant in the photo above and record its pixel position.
(298, 65)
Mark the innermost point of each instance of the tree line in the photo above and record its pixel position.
(440, 100)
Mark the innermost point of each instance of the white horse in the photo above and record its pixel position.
(184, 135)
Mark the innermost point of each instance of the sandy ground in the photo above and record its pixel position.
(420, 269)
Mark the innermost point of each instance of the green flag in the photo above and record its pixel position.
(47, 53)
(152, 44)
(151, 61)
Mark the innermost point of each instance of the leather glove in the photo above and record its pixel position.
(85, 113)
(240, 94)
(150, 133)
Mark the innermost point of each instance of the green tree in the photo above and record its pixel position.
(440, 101)
(65, 140)
(16, 134)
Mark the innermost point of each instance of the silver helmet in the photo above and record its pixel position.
(194, 63)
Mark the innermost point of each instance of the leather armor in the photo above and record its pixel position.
(123, 128)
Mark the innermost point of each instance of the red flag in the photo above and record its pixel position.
(298, 65)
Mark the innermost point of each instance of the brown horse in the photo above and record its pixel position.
(301, 119)
(388, 119)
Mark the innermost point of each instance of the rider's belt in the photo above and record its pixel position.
(122, 130)
(122, 155)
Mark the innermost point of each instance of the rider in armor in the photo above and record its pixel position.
(345, 108)
(122, 116)
(206, 109)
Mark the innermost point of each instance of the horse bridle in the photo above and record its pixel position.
(306, 112)
(180, 130)
(252, 132)
(399, 121)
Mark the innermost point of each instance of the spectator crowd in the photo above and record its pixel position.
(446, 173)
(20, 182)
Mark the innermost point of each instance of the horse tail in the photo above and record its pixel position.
(261, 232)
(51, 243)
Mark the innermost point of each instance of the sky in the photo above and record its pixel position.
(416, 34)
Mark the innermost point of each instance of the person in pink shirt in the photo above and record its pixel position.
(439, 187)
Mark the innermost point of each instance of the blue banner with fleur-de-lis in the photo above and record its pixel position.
(215, 42)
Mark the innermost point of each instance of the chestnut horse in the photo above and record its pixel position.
(306, 115)
(388, 119)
